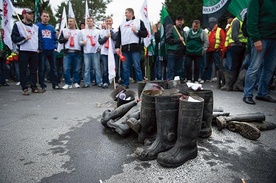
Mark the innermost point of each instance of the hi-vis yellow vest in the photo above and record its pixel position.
(229, 39)
(217, 36)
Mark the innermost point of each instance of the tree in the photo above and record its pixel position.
(43, 5)
(189, 9)
(96, 8)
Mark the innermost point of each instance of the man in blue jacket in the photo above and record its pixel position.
(48, 37)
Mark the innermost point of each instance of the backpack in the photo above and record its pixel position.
(244, 24)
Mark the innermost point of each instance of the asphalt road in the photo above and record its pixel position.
(57, 137)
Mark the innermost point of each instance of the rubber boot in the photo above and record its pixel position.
(134, 124)
(125, 97)
(263, 125)
(217, 114)
(245, 129)
(250, 117)
(118, 112)
(147, 115)
(229, 81)
(115, 93)
(206, 128)
(189, 124)
(121, 126)
(166, 118)
(239, 84)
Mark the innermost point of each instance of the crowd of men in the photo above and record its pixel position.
(241, 62)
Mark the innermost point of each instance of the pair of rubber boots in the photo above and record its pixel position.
(178, 120)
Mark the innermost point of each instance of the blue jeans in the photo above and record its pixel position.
(132, 58)
(175, 66)
(92, 59)
(265, 61)
(246, 61)
(50, 56)
(211, 57)
(68, 60)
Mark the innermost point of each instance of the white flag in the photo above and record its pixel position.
(145, 19)
(8, 10)
(111, 61)
(86, 13)
(70, 11)
(63, 24)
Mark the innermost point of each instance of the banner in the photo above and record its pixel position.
(145, 19)
(215, 8)
(238, 8)
(63, 24)
(7, 12)
(111, 62)
(166, 24)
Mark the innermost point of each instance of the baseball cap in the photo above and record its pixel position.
(212, 20)
(179, 17)
(27, 10)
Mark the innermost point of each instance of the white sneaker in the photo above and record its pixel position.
(189, 81)
(76, 85)
(18, 83)
(201, 81)
(214, 79)
(66, 86)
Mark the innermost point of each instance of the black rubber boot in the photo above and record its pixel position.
(118, 112)
(206, 127)
(229, 80)
(147, 115)
(220, 81)
(189, 123)
(239, 84)
(120, 125)
(166, 118)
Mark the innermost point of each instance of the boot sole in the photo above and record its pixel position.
(244, 129)
(167, 165)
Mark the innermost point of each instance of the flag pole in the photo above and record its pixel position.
(21, 23)
(179, 34)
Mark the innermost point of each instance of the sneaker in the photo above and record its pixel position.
(76, 85)
(214, 79)
(105, 85)
(85, 86)
(201, 81)
(37, 90)
(57, 87)
(189, 81)
(18, 83)
(100, 85)
(66, 86)
(25, 92)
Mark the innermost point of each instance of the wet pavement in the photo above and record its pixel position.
(57, 137)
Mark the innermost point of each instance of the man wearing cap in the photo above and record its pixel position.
(261, 25)
(216, 40)
(48, 37)
(236, 43)
(197, 44)
(25, 35)
(175, 38)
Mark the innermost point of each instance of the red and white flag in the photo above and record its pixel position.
(63, 24)
(86, 13)
(7, 12)
(145, 19)
(111, 62)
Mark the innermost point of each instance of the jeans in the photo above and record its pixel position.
(68, 60)
(211, 57)
(50, 56)
(92, 59)
(246, 61)
(188, 65)
(31, 59)
(175, 66)
(158, 68)
(264, 60)
(132, 58)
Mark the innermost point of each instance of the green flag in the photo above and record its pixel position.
(238, 8)
(37, 13)
(166, 24)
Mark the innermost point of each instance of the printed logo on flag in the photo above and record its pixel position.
(213, 6)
